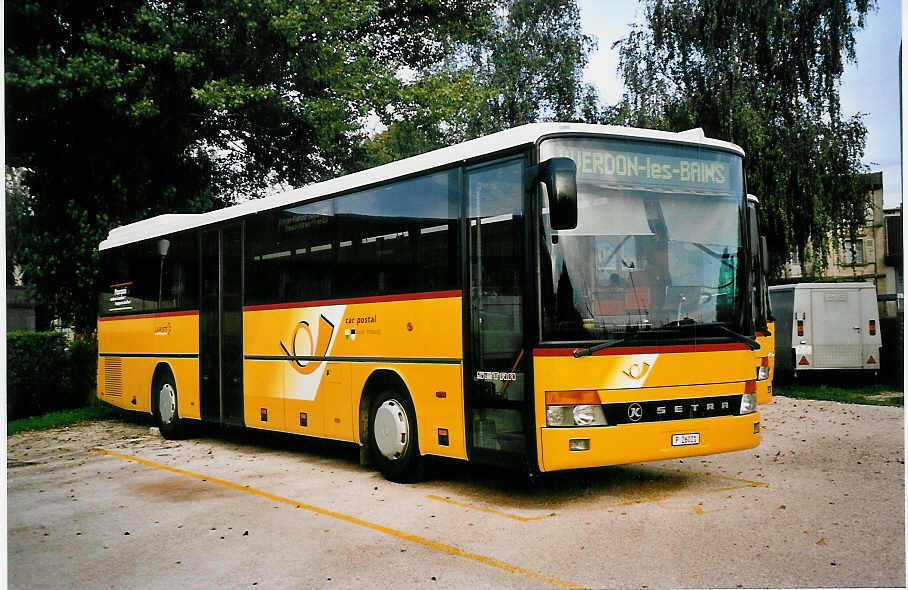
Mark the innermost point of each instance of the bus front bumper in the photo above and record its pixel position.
(652, 441)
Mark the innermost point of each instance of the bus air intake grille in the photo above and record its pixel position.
(113, 376)
(672, 409)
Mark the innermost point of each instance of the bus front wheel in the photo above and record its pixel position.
(166, 413)
(393, 437)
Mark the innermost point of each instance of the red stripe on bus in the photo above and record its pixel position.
(151, 314)
(666, 349)
(353, 300)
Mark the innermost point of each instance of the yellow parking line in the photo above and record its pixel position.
(450, 549)
(490, 510)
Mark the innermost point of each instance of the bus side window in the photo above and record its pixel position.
(179, 274)
(131, 278)
(401, 237)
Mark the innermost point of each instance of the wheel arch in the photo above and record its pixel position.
(379, 380)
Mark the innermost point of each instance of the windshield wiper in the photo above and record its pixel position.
(689, 322)
(597, 347)
(750, 342)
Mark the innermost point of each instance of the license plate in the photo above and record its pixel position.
(680, 440)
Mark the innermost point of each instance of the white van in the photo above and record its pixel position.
(826, 326)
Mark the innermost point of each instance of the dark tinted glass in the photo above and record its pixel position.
(130, 280)
(150, 276)
(180, 274)
(154, 275)
(397, 238)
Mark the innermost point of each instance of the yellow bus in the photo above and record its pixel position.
(549, 297)
(764, 322)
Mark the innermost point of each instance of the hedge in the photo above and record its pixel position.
(45, 374)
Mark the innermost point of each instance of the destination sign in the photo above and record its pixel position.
(119, 300)
(649, 165)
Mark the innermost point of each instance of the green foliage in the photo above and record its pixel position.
(874, 395)
(524, 65)
(83, 366)
(59, 418)
(764, 75)
(46, 374)
(36, 373)
(128, 109)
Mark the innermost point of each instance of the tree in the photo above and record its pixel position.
(126, 109)
(18, 210)
(764, 75)
(527, 66)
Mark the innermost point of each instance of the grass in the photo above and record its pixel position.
(875, 394)
(59, 418)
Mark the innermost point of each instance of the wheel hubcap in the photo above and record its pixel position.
(392, 430)
(167, 403)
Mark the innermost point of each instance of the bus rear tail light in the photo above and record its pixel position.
(763, 369)
(871, 360)
(803, 361)
(872, 327)
(800, 327)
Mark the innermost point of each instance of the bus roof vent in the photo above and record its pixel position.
(696, 133)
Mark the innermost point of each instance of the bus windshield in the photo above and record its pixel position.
(658, 243)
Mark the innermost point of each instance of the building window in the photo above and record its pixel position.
(852, 256)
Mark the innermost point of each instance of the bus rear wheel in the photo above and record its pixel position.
(394, 439)
(166, 413)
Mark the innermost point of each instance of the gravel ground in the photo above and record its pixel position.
(821, 503)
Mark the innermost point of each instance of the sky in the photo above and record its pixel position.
(869, 86)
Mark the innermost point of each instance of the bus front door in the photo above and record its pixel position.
(496, 375)
(221, 326)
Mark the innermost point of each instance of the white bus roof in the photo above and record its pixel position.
(504, 140)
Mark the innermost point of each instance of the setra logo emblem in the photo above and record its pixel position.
(637, 370)
(635, 412)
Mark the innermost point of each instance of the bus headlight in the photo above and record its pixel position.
(575, 415)
(558, 416)
(589, 416)
(748, 403)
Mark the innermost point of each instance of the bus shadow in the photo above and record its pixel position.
(478, 485)
(598, 488)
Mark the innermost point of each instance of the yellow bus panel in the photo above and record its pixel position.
(308, 363)
(131, 347)
(626, 374)
(651, 441)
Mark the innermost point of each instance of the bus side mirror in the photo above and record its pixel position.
(764, 255)
(559, 175)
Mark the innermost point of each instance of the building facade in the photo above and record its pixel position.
(874, 256)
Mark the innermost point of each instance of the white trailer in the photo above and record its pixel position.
(822, 326)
